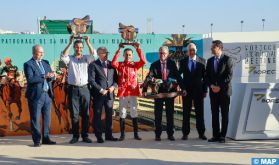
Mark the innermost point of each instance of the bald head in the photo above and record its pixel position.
(35, 47)
(38, 52)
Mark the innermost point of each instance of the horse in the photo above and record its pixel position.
(60, 99)
(11, 93)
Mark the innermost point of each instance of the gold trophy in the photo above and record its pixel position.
(78, 26)
(128, 33)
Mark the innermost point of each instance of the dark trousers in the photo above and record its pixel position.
(169, 103)
(79, 98)
(199, 111)
(98, 104)
(219, 101)
(36, 108)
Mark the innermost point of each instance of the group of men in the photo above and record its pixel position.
(198, 75)
(88, 77)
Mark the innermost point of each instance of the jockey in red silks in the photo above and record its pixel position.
(128, 87)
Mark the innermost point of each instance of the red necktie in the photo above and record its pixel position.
(164, 71)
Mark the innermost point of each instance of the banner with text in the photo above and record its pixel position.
(254, 62)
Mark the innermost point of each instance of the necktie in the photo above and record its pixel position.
(105, 68)
(164, 71)
(216, 64)
(45, 87)
(192, 65)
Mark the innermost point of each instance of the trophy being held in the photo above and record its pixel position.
(78, 26)
(128, 33)
(161, 88)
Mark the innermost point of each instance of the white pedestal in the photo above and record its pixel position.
(254, 112)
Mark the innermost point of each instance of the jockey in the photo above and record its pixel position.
(128, 87)
(10, 71)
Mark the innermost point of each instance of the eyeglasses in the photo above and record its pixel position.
(103, 53)
(192, 49)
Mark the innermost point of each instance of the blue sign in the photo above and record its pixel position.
(261, 161)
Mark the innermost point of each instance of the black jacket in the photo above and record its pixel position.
(223, 76)
(194, 82)
(98, 80)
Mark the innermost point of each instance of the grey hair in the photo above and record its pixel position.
(164, 47)
(192, 44)
(101, 48)
(35, 47)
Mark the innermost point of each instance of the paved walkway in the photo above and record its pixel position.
(19, 150)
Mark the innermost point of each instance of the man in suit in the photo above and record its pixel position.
(102, 79)
(38, 93)
(219, 71)
(193, 70)
(164, 69)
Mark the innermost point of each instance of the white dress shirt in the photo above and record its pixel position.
(78, 68)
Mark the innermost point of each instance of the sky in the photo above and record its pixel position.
(168, 16)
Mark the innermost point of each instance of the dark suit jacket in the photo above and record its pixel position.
(194, 82)
(35, 79)
(98, 80)
(155, 71)
(223, 76)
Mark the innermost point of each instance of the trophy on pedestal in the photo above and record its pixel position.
(128, 33)
(78, 26)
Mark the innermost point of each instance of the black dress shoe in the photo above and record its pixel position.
(48, 142)
(202, 137)
(100, 140)
(158, 138)
(37, 144)
(121, 138)
(137, 138)
(213, 139)
(222, 140)
(87, 140)
(184, 137)
(73, 140)
(171, 138)
(111, 139)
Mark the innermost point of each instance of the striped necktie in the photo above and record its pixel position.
(105, 68)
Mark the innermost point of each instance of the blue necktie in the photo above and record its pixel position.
(216, 64)
(192, 65)
(45, 87)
